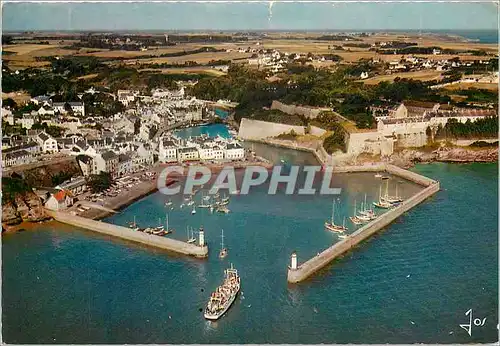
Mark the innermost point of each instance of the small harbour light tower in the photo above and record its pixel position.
(294, 260)
(202, 237)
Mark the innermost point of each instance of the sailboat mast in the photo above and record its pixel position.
(222, 240)
(333, 210)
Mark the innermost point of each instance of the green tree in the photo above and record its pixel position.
(100, 182)
(9, 103)
(137, 126)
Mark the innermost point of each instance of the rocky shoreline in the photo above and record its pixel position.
(409, 157)
(26, 208)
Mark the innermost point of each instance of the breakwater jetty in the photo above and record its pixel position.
(297, 273)
(196, 250)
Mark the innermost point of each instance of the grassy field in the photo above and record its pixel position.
(22, 49)
(23, 55)
(424, 75)
(19, 97)
(463, 86)
(201, 58)
(185, 70)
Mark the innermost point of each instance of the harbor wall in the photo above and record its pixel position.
(319, 152)
(258, 129)
(129, 234)
(379, 167)
(409, 175)
(308, 112)
(309, 267)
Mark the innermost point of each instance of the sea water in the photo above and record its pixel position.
(411, 283)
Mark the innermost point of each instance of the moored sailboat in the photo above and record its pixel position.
(382, 203)
(354, 218)
(331, 226)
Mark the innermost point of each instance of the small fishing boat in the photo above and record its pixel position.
(223, 210)
(205, 202)
(193, 211)
(378, 175)
(169, 203)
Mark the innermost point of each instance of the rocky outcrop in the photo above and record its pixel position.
(25, 207)
(10, 216)
(407, 157)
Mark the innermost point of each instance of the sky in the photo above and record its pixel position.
(141, 15)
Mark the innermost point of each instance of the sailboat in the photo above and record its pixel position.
(331, 226)
(133, 224)
(160, 230)
(354, 219)
(223, 250)
(382, 203)
(368, 212)
(191, 238)
(393, 199)
(167, 230)
(361, 216)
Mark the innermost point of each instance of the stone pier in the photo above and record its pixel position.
(200, 250)
(308, 268)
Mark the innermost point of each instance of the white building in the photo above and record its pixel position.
(59, 201)
(125, 164)
(47, 143)
(7, 116)
(167, 151)
(76, 107)
(46, 110)
(188, 154)
(125, 97)
(76, 186)
(234, 151)
(27, 121)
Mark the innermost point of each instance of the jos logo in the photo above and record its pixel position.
(477, 322)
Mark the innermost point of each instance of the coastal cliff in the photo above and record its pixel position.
(26, 207)
(408, 157)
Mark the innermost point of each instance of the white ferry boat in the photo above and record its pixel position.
(221, 300)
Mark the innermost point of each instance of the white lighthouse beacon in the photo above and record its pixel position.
(202, 237)
(294, 260)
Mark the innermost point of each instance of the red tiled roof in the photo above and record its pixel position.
(60, 196)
